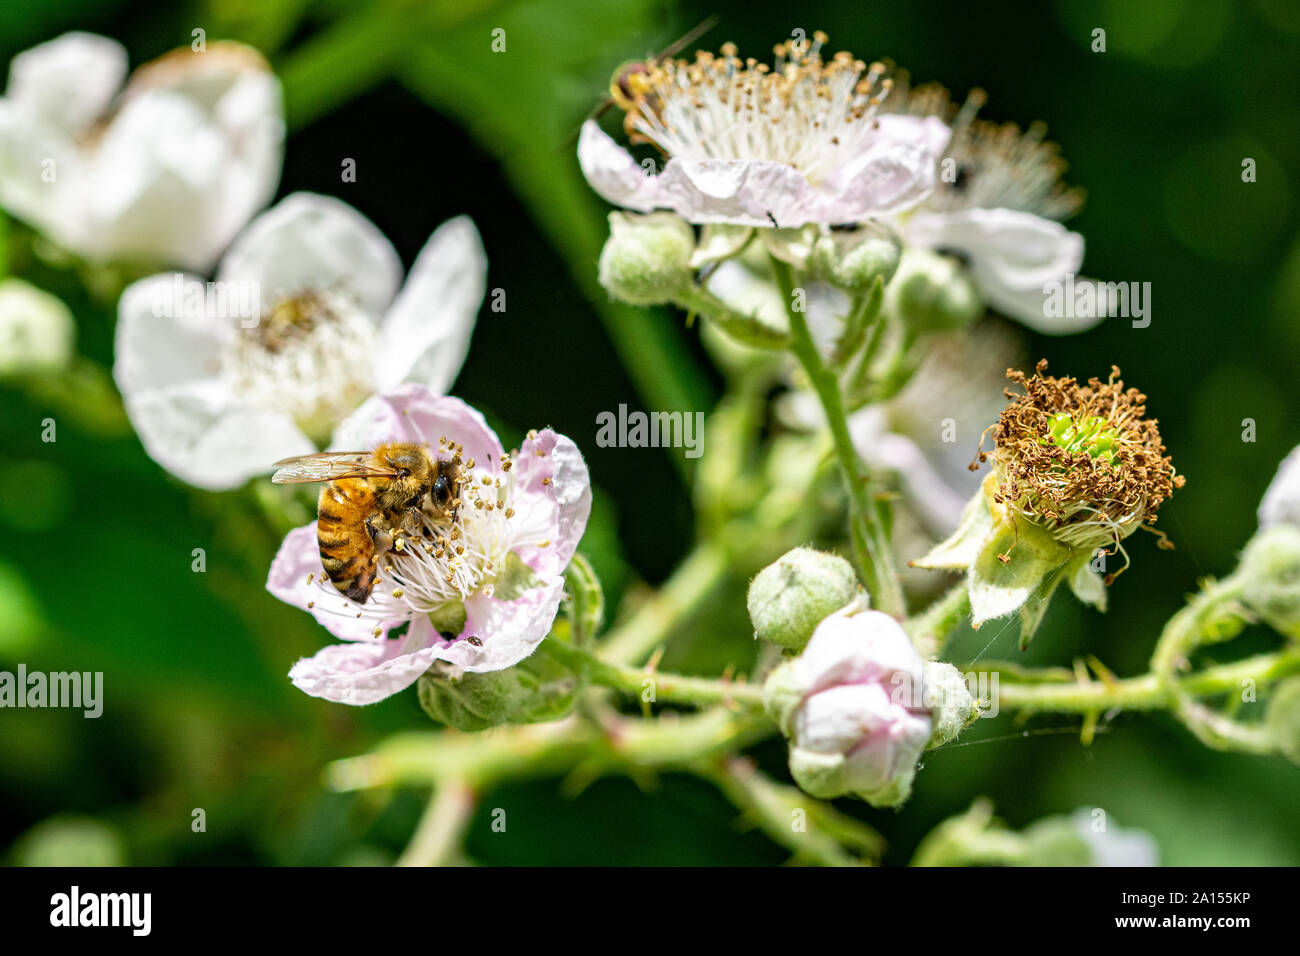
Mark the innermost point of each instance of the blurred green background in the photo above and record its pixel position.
(96, 541)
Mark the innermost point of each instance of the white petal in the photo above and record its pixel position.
(68, 81)
(200, 435)
(157, 345)
(152, 189)
(1012, 256)
(612, 172)
(236, 96)
(552, 500)
(412, 413)
(188, 418)
(426, 333)
(1281, 502)
(927, 133)
(308, 241)
(30, 151)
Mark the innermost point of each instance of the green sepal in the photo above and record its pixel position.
(535, 690)
(962, 547)
(1033, 560)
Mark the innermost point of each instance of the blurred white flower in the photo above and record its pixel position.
(798, 143)
(304, 321)
(163, 171)
(36, 329)
(1112, 845)
(1281, 502)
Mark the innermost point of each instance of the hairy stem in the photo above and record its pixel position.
(1147, 692)
(656, 687)
(870, 541)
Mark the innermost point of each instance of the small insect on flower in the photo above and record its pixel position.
(372, 500)
(1083, 461)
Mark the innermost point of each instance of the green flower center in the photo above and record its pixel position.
(1093, 435)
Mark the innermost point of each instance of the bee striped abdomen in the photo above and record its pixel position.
(346, 550)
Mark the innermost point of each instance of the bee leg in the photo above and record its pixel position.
(380, 536)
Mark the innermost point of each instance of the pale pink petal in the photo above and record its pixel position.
(509, 630)
(366, 673)
(412, 413)
(552, 502)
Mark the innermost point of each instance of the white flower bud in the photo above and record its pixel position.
(1270, 574)
(36, 329)
(855, 258)
(952, 706)
(851, 707)
(932, 293)
(791, 596)
(647, 258)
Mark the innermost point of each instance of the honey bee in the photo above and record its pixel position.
(371, 496)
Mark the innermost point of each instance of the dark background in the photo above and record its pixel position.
(95, 540)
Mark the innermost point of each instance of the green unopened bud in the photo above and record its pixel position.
(932, 293)
(1284, 718)
(952, 706)
(1270, 571)
(36, 329)
(647, 258)
(535, 690)
(790, 597)
(856, 258)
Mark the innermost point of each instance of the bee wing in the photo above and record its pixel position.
(327, 466)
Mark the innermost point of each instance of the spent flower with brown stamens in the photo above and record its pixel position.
(1076, 469)
(1084, 461)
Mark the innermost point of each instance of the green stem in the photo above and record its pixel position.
(1213, 616)
(810, 829)
(438, 838)
(535, 750)
(655, 686)
(929, 628)
(1147, 692)
(748, 329)
(870, 541)
(653, 622)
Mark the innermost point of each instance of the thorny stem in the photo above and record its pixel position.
(870, 542)
(533, 750)
(810, 829)
(654, 687)
(1211, 617)
(1147, 692)
(438, 838)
